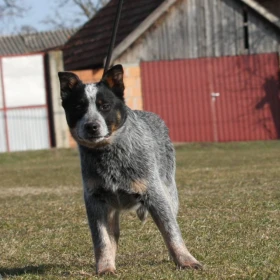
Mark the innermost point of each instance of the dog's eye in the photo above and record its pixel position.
(78, 107)
(105, 107)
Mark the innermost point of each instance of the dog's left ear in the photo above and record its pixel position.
(113, 78)
(68, 82)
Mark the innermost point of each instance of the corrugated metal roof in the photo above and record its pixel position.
(35, 42)
(88, 47)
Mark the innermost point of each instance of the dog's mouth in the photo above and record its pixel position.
(96, 138)
(93, 142)
(90, 141)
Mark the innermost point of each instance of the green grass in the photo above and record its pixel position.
(229, 216)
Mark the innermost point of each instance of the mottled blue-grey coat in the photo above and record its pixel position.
(127, 162)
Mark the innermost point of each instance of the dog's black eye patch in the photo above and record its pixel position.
(110, 107)
(74, 103)
(80, 105)
(75, 106)
(105, 107)
(105, 101)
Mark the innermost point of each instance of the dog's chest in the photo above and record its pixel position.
(115, 178)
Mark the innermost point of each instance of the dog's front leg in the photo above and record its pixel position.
(161, 211)
(104, 226)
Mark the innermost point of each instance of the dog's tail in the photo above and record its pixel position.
(142, 213)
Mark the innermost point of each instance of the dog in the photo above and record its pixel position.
(127, 162)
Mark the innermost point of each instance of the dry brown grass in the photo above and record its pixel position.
(229, 216)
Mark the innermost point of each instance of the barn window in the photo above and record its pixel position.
(246, 29)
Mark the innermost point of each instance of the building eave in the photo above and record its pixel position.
(141, 29)
(263, 12)
(164, 7)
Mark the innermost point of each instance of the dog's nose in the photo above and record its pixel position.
(92, 127)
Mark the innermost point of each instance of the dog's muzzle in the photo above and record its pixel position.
(92, 132)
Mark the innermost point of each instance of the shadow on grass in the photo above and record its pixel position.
(17, 271)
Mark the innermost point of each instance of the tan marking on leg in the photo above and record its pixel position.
(139, 186)
(105, 256)
(114, 230)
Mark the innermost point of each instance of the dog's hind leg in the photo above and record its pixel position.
(172, 190)
(104, 226)
(161, 210)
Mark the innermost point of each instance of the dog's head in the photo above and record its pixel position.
(94, 111)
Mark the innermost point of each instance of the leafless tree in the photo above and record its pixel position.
(10, 10)
(84, 10)
(27, 29)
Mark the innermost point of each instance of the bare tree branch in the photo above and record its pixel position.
(57, 22)
(65, 14)
(10, 10)
(27, 29)
(86, 9)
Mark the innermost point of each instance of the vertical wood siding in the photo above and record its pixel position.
(203, 28)
(247, 108)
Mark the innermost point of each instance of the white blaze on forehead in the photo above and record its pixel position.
(92, 114)
(91, 91)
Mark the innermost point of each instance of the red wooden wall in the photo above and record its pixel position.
(215, 99)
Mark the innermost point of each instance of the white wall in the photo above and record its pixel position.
(25, 96)
(24, 80)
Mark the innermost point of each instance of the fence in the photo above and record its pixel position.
(24, 122)
(233, 98)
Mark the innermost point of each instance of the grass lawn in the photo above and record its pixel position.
(229, 216)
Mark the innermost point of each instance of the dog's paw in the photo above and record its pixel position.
(106, 271)
(191, 265)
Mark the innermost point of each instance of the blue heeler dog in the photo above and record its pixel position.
(127, 162)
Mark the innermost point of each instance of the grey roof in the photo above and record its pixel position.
(88, 47)
(34, 42)
(151, 19)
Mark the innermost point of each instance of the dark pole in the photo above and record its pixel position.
(113, 37)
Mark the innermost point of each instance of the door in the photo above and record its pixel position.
(215, 99)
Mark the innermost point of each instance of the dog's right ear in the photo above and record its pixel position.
(113, 78)
(68, 82)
